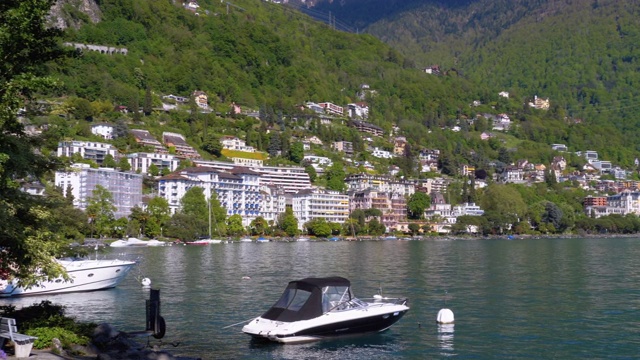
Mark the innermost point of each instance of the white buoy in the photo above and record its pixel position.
(445, 316)
(146, 282)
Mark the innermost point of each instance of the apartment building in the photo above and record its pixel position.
(89, 150)
(345, 146)
(125, 187)
(273, 202)
(312, 204)
(331, 108)
(367, 128)
(363, 181)
(238, 189)
(144, 138)
(178, 142)
(140, 162)
(393, 206)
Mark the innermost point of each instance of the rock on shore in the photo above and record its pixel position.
(108, 343)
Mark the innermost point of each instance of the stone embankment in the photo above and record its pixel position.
(106, 344)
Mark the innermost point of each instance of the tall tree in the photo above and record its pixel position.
(26, 45)
(100, 210)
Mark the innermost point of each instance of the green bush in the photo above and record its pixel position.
(47, 321)
(46, 334)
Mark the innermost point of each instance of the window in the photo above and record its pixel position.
(293, 299)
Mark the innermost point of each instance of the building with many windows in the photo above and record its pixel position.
(313, 204)
(393, 206)
(237, 189)
(178, 142)
(273, 202)
(125, 187)
(89, 150)
(142, 161)
(144, 138)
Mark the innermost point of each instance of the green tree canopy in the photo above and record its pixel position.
(100, 210)
(288, 223)
(26, 235)
(417, 204)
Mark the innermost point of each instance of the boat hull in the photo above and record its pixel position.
(86, 275)
(332, 324)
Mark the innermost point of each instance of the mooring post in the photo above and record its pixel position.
(155, 322)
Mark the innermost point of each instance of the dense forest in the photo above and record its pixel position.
(580, 54)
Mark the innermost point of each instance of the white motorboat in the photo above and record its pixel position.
(316, 308)
(135, 242)
(246, 240)
(86, 275)
(205, 242)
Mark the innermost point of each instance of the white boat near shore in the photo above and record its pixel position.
(135, 242)
(85, 274)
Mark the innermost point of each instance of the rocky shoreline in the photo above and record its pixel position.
(107, 343)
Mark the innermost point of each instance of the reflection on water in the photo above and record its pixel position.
(572, 298)
(445, 337)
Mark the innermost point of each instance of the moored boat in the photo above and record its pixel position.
(316, 308)
(205, 242)
(135, 242)
(85, 274)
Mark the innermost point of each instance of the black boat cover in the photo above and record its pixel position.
(303, 299)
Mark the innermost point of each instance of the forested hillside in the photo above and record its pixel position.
(252, 53)
(583, 55)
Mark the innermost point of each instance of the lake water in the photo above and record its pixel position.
(543, 298)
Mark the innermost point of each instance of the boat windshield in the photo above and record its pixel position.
(332, 296)
(293, 299)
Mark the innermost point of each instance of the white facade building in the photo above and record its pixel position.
(141, 162)
(234, 143)
(382, 154)
(103, 130)
(273, 202)
(291, 178)
(382, 183)
(238, 189)
(125, 187)
(89, 150)
(313, 204)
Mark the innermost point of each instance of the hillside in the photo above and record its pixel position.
(252, 53)
(582, 55)
(268, 57)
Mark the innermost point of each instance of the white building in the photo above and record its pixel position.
(238, 189)
(291, 178)
(234, 143)
(103, 130)
(141, 162)
(382, 183)
(87, 149)
(470, 209)
(313, 204)
(125, 187)
(241, 161)
(382, 154)
(359, 110)
(273, 202)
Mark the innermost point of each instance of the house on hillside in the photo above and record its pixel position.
(103, 130)
(183, 149)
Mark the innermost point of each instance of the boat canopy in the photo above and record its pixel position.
(309, 298)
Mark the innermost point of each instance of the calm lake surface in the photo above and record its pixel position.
(543, 298)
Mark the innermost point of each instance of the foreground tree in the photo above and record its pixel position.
(26, 233)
